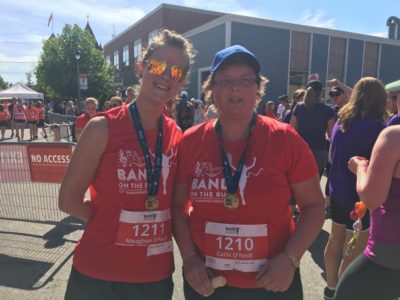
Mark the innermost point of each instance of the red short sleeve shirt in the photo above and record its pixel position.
(276, 156)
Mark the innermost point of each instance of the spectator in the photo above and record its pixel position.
(184, 112)
(19, 119)
(115, 101)
(199, 114)
(41, 117)
(395, 119)
(297, 96)
(375, 274)
(4, 117)
(314, 121)
(70, 109)
(91, 105)
(359, 124)
(32, 116)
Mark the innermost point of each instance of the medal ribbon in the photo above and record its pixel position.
(232, 182)
(153, 174)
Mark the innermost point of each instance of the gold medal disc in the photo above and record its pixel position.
(231, 201)
(151, 202)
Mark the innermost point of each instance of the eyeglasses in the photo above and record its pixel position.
(158, 67)
(244, 82)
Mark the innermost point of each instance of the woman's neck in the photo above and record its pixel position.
(234, 130)
(149, 113)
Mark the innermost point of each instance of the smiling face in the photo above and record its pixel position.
(159, 89)
(235, 91)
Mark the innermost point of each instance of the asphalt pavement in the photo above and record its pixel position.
(35, 260)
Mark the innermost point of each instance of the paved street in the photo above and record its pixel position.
(35, 261)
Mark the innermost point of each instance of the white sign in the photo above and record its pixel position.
(83, 81)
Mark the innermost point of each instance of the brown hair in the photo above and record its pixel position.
(174, 39)
(208, 85)
(368, 99)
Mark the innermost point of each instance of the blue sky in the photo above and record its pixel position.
(24, 23)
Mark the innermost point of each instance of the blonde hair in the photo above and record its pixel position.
(368, 99)
(91, 100)
(174, 39)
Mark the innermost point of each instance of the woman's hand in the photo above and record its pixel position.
(197, 275)
(277, 275)
(355, 162)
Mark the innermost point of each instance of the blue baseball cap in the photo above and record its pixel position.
(235, 50)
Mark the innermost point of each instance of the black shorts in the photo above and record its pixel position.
(294, 292)
(40, 124)
(82, 287)
(19, 121)
(3, 123)
(32, 122)
(341, 215)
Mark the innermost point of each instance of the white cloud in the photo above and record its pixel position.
(380, 34)
(316, 18)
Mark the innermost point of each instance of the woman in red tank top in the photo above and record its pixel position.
(127, 156)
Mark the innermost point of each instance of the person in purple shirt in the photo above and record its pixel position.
(395, 119)
(359, 123)
(375, 274)
(313, 120)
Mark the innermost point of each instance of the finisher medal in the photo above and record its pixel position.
(231, 201)
(151, 202)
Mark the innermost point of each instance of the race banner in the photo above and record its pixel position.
(48, 162)
(14, 166)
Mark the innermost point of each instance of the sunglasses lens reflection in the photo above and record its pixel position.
(157, 67)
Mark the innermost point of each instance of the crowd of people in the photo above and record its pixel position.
(199, 170)
(224, 176)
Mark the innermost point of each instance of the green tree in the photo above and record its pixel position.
(56, 72)
(3, 84)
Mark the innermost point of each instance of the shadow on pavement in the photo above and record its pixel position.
(21, 273)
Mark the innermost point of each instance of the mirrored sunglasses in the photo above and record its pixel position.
(158, 67)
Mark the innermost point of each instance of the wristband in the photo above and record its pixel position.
(188, 255)
(293, 259)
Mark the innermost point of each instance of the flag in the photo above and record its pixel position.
(50, 19)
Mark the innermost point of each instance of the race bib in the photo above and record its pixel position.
(236, 247)
(151, 229)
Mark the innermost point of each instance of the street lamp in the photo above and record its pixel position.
(77, 57)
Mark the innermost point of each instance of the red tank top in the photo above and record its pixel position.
(120, 183)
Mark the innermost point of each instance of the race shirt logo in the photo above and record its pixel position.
(132, 174)
(209, 185)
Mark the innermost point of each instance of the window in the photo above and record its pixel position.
(337, 55)
(116, 59)
(152, 34)
(371, 53)
(137, 50)
(125, 56)
(108, 59)
(299, 60)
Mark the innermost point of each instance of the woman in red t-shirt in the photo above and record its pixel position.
(91, 105)
(32, 116)
(4, 116)
(128, 158)
(236, 175)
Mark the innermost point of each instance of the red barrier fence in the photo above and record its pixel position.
(30, 177)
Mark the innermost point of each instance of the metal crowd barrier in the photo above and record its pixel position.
(30, 178)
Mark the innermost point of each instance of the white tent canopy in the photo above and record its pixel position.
(19, 90)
